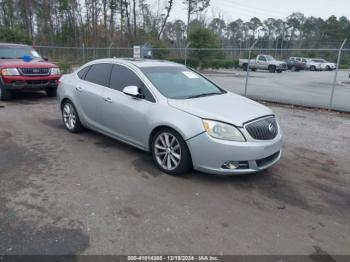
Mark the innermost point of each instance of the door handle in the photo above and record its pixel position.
(79, 89)
(108, 99)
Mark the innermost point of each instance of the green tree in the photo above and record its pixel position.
(202, 37)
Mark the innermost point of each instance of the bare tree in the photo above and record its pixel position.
(194, 6)
(168, 10)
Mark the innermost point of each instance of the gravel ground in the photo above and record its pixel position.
(63, 193)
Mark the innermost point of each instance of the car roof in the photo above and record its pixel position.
(138, 62)
(13, 45)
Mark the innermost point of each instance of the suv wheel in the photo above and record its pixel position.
(312, 68)
(51, 92)
(293, 68)
(5, 94)
(70, 117)
(170, 152)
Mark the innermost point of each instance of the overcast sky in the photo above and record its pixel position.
(234, 9)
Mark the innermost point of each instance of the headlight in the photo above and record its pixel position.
(55, 71)
(223, 131)
(9, 72)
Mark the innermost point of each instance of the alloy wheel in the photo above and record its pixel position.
(69, 116)
(167, 151)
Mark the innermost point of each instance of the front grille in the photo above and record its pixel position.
(264, 129)
(267, 160)
(34, 71)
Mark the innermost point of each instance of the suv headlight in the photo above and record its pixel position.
(223, 131)
(9, 72)
(55, 71)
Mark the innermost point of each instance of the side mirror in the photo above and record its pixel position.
(45, 59)
(132, 91)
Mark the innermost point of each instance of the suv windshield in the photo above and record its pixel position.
(15, 52)
(180, 83)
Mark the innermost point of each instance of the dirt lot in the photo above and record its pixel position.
(63, 193)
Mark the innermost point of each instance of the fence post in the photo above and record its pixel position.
(187, 46)
(83, 48)
(109, 50)
(336, 75)
(247, 75)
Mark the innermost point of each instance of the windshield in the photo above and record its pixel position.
(269, 58)
(15, 52)
(180, 83)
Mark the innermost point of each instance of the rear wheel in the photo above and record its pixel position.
(293, 69)
(170, 152)
(272, 69)
(328, 68)
(253, 69)
(70, 117)
(5, 94)
(312, 68)
(51, 92)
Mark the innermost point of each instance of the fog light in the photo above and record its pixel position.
(230, 165)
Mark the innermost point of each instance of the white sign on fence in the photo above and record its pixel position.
(137, 51)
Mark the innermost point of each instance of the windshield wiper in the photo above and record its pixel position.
(4, 57)
(203, 95)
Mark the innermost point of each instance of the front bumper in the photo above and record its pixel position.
(282, 67)
(29, 82)
(209, 154)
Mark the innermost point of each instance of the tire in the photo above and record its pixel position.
(293, 68)
(70, 117)
(254, 69)
(245, 67)
(5, 94)
(312, 68)
(279, 71)
(51, 92)
(272, 68)
(170, 152)
(328, 68)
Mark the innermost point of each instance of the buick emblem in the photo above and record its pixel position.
(272, 128)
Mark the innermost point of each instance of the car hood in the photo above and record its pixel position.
(229, 108)
(19, 63)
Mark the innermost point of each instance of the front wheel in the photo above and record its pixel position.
(272, 69)
(70, 117)
(312, 68)
(5, 94)
(170, 152)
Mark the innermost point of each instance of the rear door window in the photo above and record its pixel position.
(82, 72)
(99, 74)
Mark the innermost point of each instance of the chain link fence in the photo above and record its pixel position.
(324, 88)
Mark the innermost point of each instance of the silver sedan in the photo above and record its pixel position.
(182, 118)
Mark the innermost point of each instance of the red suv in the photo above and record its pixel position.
(22, 68)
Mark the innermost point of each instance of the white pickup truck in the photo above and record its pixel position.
(263, 62)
